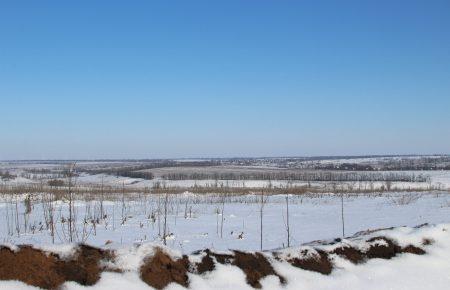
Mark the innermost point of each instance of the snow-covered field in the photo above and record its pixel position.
(438, 179)
(38, 172)
(403, 271)
(134, 222)
(195, 221)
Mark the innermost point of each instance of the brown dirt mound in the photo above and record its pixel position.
(353, 255)
(206, 265)
(160, 270)
(255, 266)
(390, 249)
(208, 261)
(30, 266)
(46, 270)
(413, 250)
(222, 258)
(387, 249)
(317, 262)
(85, 268)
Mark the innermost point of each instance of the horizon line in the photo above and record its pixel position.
(235, 157)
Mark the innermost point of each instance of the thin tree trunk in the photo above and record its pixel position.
(261, 221)
(221, 223)
(123, 202)
(287, 222)
(165, 219)
(101, 201)
(159, 215)
(70, 212)
(342, 215)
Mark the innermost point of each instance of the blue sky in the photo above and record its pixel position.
(150, 79)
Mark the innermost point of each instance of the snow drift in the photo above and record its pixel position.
(395, 258)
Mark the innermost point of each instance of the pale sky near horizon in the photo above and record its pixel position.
(170, 79)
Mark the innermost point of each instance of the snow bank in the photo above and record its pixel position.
(396, 258)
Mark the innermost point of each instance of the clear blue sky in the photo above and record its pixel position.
(146, 79)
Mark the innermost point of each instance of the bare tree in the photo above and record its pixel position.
(186, 208)
(17, 217)
(166, 199)
(159, 215)
(27, 212)
(288, 229)
(71, 221)
(223, 217)
(114, 216)
(52, 217)
(48, 211)
(102, 198)
(217, 211)
(342, 215)
(8, 223)
(261, 214)
(123, 203)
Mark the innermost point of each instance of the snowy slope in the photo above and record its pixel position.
(404, 271)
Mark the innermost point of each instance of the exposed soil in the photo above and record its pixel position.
(206, 265)
(353, 255)
(85, 269)
(221, 258)
(413, 250)
(255, 267)
(385, 249)
(160, 270)
(317, 262)
(30, 266)
(48, 271)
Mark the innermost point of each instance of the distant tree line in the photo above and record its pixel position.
(348, 166)
(300, 176)
(39, 170)
(372, 163)
(395, 165)
(137, 171)
(135, 174)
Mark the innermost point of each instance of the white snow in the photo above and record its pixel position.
(193, 221)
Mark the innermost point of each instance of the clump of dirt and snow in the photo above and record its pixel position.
(405, 257)
(49, 270)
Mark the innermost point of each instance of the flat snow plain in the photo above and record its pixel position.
(194, 221)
